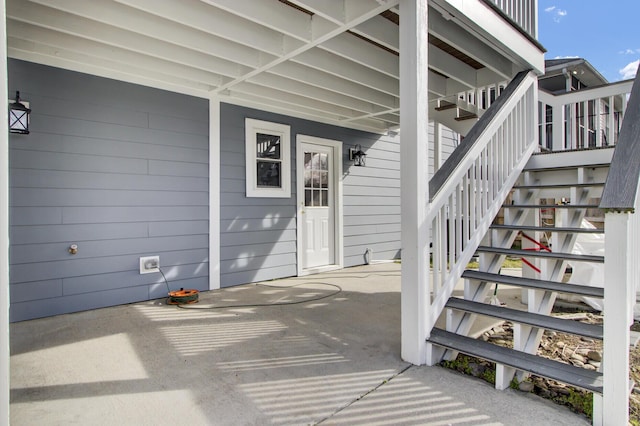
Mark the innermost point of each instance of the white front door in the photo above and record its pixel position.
(318, 202)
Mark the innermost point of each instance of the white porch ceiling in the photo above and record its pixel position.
(334, 61)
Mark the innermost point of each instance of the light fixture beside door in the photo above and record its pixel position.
(19, 116)
(357, 155)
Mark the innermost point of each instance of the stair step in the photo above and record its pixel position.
(541, 254)
(560, 185)
(523, 317)
(468, 116)
(445, 106)
(581, 290)
(565, 373)
(548, 229)
(551, 206)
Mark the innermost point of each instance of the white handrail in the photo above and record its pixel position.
(466, 202)
(587, 118)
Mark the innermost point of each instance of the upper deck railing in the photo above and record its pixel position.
(524, 13)
(587, 118)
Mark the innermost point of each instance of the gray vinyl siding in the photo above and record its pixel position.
(120, 170)
(258, 235)
(449, 140)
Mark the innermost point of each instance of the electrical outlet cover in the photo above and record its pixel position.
(149, 264)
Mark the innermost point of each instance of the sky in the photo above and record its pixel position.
(605, 33)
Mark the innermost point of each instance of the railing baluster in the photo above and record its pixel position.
(470, 196)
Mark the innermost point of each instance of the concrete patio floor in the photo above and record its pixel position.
(332, 361)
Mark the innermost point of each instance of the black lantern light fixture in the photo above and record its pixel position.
(357, 155)
(19, 117)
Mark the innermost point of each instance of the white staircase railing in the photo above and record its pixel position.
(622, 270)
(469, 189)
(588, 118)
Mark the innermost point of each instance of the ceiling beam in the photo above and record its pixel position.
(318, 39)
(55, 40)
(302, 89)
(324, 80)
(355, 49)
(150, 25)
(250, 101)
(210, 20)
(60, 58)
(60, 23)
(457, 70)
(382, 31)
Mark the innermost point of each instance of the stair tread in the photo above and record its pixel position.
(559, 185)
(549, 229)
(446, 106)
(542, 254)
(466, 117)
(523, 317)
(565, 373)
(552, 206)
(581, 290)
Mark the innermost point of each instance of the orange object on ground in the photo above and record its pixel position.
(182, 297)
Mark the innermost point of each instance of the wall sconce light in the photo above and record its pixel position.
(357, 155)
(19, 116)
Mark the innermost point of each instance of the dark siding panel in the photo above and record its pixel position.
(118, 169)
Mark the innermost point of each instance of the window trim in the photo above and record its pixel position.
(252, 128)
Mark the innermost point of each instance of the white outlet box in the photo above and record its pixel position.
(149, 264)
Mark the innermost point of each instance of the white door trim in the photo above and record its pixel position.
(337, 201)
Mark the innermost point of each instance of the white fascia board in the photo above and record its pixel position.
(498, 32)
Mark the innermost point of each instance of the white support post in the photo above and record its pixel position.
(4, 229)
(214, 193)
(415, 179)
(557, 118)
(618, 316)
(612, 134)
(437, 148)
